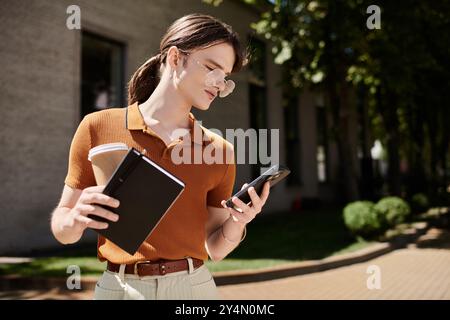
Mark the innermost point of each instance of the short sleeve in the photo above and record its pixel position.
(224, 189)
(79, 172)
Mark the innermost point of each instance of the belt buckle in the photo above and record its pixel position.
(136, 265)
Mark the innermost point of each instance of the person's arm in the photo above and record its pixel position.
(80, 194)
(216, 245)
(225, 227)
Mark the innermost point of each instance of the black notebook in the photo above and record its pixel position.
(146, 191)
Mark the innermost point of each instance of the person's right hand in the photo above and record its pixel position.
(87, 204)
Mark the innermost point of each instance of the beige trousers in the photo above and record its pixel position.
(184, 285)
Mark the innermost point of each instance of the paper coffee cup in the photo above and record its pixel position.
(105, 158)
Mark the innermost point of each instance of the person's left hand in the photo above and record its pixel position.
(248, 212)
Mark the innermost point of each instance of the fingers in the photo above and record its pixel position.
(99, 198)
(89, 204)
(88, 209)
(91, 223)
(94, 189)
(243, 212)
(236, 215)
(232, 211)
(241, 205)
(265, 193)
(256, 201)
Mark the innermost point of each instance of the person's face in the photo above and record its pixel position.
(204, 74)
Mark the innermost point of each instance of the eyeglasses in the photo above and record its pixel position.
(216, 78)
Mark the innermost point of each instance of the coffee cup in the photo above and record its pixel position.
(105, 159)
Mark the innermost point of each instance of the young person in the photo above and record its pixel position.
(196, 54)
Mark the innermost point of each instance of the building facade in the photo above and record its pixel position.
(52, 75)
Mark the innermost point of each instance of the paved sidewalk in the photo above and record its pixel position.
(410, 273)
(420, 271)
(54, 294)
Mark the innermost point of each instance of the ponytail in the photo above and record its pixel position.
(144, 80)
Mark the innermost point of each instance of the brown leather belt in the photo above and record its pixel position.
(155, 268)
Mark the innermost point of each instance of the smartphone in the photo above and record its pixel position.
(273, 175)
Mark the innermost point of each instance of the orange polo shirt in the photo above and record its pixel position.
(182, 231)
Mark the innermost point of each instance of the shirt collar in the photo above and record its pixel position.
(135, 121)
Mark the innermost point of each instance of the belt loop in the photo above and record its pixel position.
(191, 264)
(130, 293)
(122, 272)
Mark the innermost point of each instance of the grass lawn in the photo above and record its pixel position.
(271, 240)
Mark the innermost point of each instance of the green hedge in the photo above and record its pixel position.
(361, 218)
(393, 210)
(366, 219)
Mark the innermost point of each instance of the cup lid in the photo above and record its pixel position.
(115, 146)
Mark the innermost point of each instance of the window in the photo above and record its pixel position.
(292, 135)
(322, 144)
(258, 94)
(102, 73)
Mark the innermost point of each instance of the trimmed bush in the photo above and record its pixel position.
(419, 203)
(361, 218)
(393, 210)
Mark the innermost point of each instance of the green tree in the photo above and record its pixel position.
(400, 73)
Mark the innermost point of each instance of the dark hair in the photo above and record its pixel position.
(193, 31)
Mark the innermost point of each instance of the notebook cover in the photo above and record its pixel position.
(146, 191)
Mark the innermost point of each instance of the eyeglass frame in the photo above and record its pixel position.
(227, 83)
